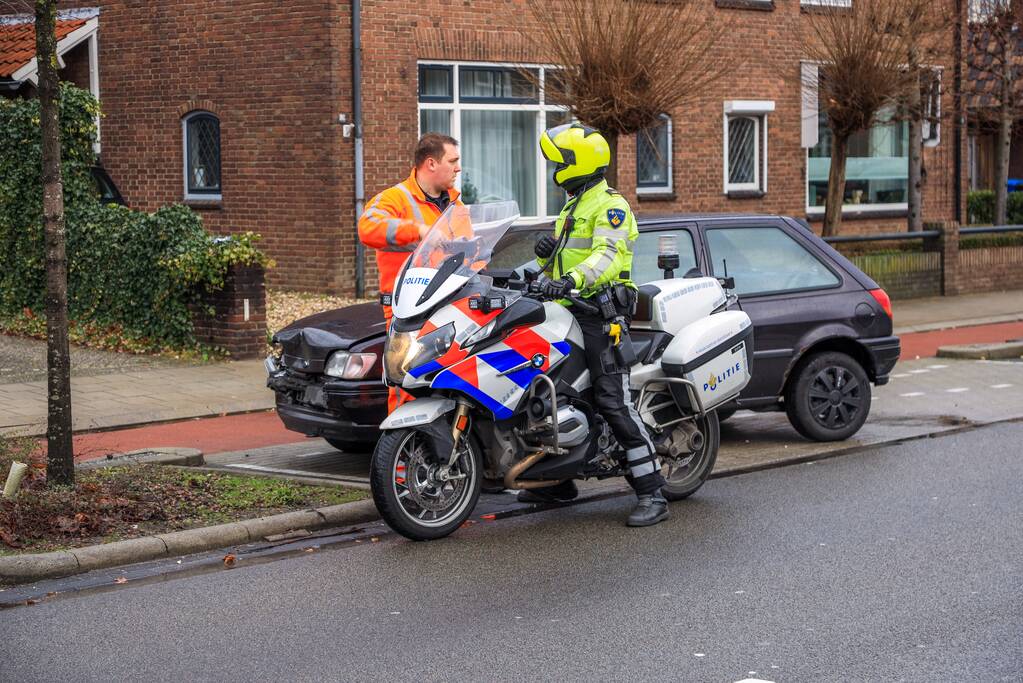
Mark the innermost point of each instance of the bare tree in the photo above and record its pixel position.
(993, 92)
(626, 62)
(60, 469)
(927, 43)
(861, 51)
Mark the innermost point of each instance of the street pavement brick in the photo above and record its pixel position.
(140, 396)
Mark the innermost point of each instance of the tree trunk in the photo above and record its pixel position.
(916, 149)
(612, 169)
(60, 465)
(1004, 142)
(1002, 147)
(836, 187)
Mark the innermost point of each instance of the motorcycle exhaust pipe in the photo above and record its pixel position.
(521, 466)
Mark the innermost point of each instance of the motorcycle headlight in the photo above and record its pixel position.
(404, 351)
(349, 365)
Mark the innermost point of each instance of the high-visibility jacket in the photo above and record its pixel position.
(598, 250)
(390, 225)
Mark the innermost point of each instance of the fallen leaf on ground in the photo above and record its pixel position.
(375, 539)
(310, 550)
(229, 560)
(121, 579)
(488, 517)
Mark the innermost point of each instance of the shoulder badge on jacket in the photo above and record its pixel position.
(616, 217)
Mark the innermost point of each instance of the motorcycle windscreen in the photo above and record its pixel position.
(459, 245)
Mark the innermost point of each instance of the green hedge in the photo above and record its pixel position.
(132, 275)
(980, 207)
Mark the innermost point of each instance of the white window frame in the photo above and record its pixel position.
(810, 137)
(668, 185)
(758, 111)
(205, 196)
(456, 107)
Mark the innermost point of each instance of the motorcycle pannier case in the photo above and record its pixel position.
(714, 355)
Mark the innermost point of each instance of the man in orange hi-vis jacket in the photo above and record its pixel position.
(397, 219)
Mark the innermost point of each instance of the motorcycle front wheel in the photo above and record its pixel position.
(410, 491)
(684, 475)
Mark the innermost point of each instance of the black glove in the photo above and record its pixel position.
(557, 289)
(545, 246)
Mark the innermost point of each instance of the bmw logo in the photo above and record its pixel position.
(538, 360)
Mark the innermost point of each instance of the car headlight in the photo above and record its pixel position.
(405, 351)
(349, 365)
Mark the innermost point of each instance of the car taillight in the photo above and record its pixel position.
(882, 298)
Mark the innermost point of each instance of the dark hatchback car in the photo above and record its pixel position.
(823, 329)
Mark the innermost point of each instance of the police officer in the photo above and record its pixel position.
(591, 250)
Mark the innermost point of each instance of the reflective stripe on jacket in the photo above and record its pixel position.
(599, 249)
(390, 225)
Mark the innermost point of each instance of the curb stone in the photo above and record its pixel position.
(60, 563)
(996, 351)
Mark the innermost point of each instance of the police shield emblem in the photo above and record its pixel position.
(616, 216)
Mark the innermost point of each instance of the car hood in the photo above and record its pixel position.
(306, 343)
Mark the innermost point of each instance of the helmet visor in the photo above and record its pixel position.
(550, 150)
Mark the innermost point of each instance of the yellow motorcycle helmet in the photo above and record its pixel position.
(581, 154)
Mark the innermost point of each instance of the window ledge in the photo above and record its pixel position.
(760, 5)
(848, 215)
(207, 204)
(656, 196)
(745, 194)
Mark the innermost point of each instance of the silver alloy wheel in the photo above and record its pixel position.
(422, 496)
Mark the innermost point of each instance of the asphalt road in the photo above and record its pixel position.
(902, 562)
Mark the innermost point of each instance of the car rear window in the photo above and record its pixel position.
(766, 259)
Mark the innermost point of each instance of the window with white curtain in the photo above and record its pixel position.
(497, 114)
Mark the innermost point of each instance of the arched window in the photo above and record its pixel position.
(201, 134)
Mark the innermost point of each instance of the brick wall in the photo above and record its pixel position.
(992, 269)
(238, 322)
(271, 75)
(278, 79)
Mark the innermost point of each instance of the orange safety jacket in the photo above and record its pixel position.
(390, 225)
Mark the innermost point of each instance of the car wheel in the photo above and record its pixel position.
(828, 397)
(351, 446)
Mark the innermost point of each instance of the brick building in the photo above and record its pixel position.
(234, 106)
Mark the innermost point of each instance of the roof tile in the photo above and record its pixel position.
(18, 42)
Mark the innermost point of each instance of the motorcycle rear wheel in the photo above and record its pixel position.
(685, 476)
(407, 493)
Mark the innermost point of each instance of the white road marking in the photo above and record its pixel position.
(957, 390)
(919, 371)
(901, 374)
(753, 680)
(1000, 386)
(936, 367)
(699, 654)
(912, 394)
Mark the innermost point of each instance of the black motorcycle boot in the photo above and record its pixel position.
(559, 493)
(650, 510)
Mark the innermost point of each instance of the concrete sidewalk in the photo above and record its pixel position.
(117, 390)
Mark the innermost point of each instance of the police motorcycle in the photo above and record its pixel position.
(501, 387)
